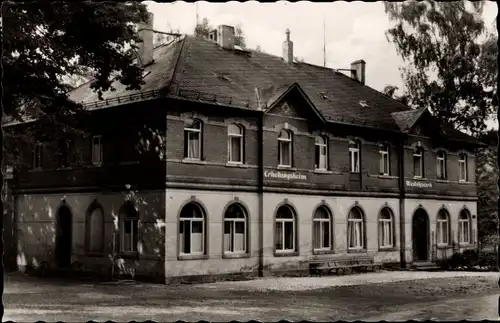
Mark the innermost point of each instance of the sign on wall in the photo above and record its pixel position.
(282, 175)
(418, 184)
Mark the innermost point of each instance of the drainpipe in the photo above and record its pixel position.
(260, 190)
(402, 235)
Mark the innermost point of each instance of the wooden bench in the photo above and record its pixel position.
(329, 264)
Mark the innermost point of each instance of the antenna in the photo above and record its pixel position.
(324, 42)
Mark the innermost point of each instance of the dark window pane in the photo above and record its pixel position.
(127, 226)
(197, 226)
(289, 235)
(239, 227)
(227, 227)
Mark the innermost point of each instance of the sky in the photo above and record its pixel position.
(353, 30)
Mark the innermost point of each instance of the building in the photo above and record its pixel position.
(268, 163)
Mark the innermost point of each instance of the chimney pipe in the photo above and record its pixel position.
(225, 36)
(358, 70)
(288, 48)
(145, 31)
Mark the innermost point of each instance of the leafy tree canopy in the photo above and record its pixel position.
(452, 60)
(49, 44)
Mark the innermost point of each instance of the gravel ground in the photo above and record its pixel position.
(311, 283)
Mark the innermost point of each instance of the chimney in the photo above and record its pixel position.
(288, 48)
(358, 70)
(225, 36)
(145, 31)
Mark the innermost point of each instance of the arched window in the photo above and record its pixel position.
(384, 159)
(129, 227)
(285, 230)
(285, 141)
(235, 144)
(95, 228)
(443, 228)
(441, 165)
(192, 230)
(386, 228)
(321, 153)
(322, 229)
(354, 156)
(418, 163)
(462, 167)
(235, 229)
(193, 140)
(464, 227)
(355, 229)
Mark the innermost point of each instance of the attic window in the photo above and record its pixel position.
(323, 95)
(363, 103)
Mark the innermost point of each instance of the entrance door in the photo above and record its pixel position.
(63, 237)
(420, 236)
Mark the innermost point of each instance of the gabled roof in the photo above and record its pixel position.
(283, 91)
(198, 69)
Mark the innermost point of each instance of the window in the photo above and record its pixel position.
(129, 227)
(354, 156)
(464, 227)
(322, 229)
(95, 228)
(37, 155)
(285, 148)
(321, 153)
(235, 144)
(192, 140)
(441, 165)
(64, 152)
(386, 229)
(97, 150)
(285, 230)
(462, 167)
(192, 230)
(418, 164)
(443, 228)
(235, 230)
(355, 229)
(384, 159)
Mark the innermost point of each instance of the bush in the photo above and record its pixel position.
(488, 259)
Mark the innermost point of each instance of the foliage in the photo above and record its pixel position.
(487, 182)
(452, 62)
(469, 259)
(46, 52)
(390, 91)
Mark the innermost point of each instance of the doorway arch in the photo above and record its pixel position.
(64, 232)
(420, 235)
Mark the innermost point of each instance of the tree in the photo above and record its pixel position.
(487, 177)
(451, 69)
(239, 37)
(46, 52)
(390, 91)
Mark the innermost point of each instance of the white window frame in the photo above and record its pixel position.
(354, 158)
(191, 130)
(283, 237)
(288, 140)
(442, 223)
(134, 225)
(203, 233)
(382, 222)
(97, 150)
(233, 221)
(321, 145)
(462, 163)
(37, 155)
(384, 160)
(355, 221)
(418, 152)
(321, 222)
(235, 136)
(441, 164)
(461, 227)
